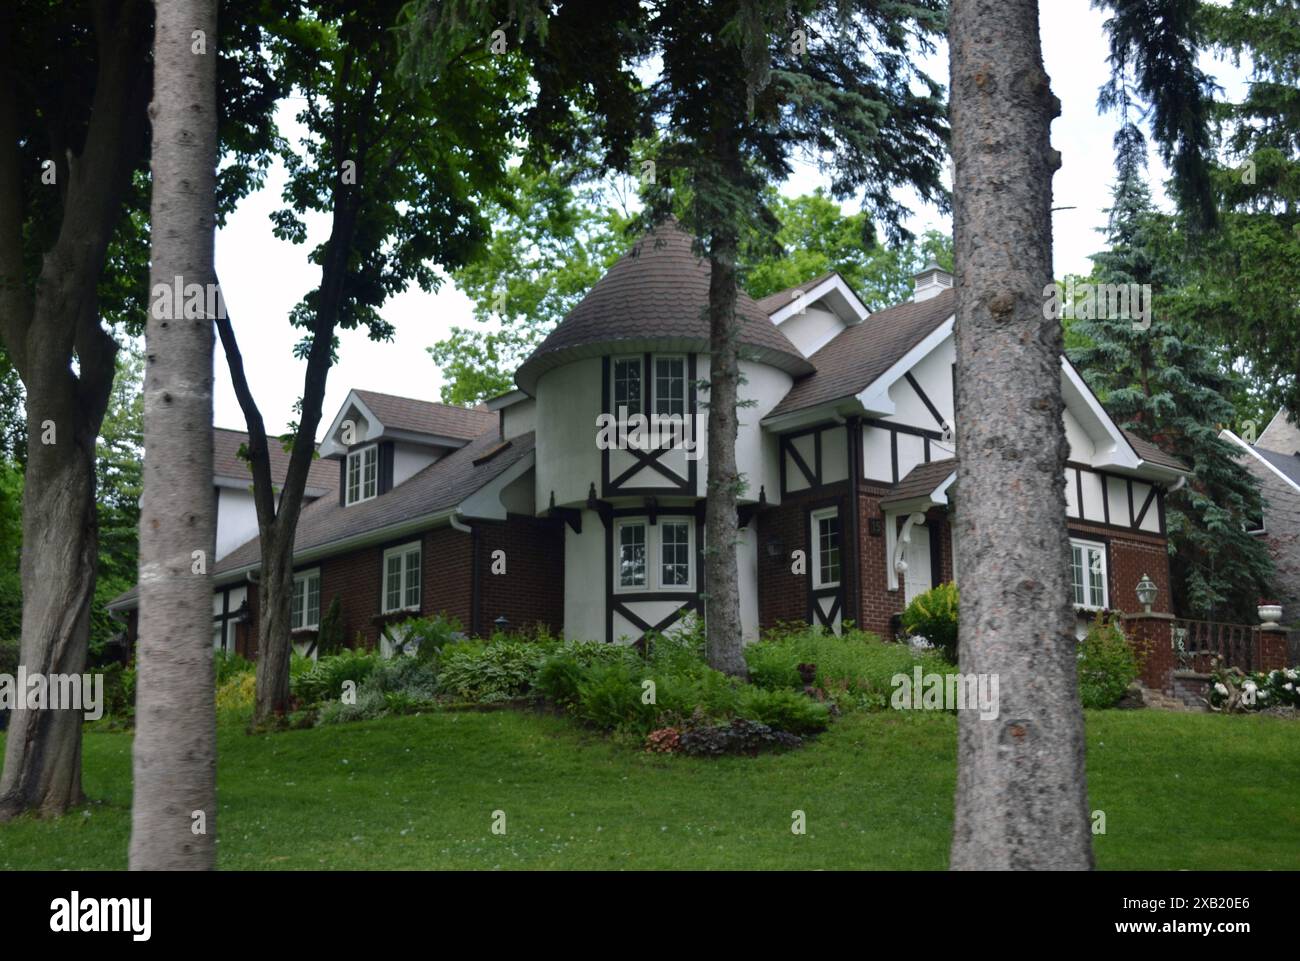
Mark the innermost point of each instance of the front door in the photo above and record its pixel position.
(916, 579)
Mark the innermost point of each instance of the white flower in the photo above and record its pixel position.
(1220, 689)
(1288, 686)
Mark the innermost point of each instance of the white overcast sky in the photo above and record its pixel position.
(262, 277)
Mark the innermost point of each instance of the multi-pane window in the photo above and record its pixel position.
(1088, 574)
(826, 548)
(632, 554)
(657, 557)
(627, 386)
(402, 578)
(674, 553)
(304, 612)
(363, 474)
(670, 385)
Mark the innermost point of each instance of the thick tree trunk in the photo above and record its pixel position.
(43, 330)
(42, 770)
(274, 645)
(173, 814)
(721, 533)
(1021, 789)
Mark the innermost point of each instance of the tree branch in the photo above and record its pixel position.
(258, 453)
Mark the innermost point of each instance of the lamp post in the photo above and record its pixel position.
(1146, 592)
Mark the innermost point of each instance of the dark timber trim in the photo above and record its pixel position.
(929, 405)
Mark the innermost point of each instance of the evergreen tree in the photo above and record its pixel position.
(1168, 385)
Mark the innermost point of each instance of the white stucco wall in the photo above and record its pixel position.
(584, 580)
(811, 329)
(519, 418)
(236, 519)
(568, 402)
(754, 458)
(410, 459)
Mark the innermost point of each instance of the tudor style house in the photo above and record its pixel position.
(527, 511)
(1274, 459)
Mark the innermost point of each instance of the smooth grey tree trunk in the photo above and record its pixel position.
(1021, 788)
(721, 533)
(173, 813)
(44, 329)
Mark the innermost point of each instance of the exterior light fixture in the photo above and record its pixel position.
(501, 623)
(1146, 592)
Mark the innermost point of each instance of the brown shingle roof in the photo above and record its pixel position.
(322, 475)
(440, 486)
(428, 417)
(861, 353)
(921, 480)
(774, 302)
(1153, 454)
(656, 296)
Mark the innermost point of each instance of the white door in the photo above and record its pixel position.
(916, 579)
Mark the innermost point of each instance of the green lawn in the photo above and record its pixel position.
(1179, 791)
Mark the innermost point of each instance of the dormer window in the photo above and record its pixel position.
(627, 386)
(363, 474)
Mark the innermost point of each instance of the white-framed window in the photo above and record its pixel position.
(1088, 574)
(402, 578)
(654, 557)
(826, 547)
(363, 474)
(675, 545)
(670, 385)
(627, 386)
(304, 611)
(630, 545)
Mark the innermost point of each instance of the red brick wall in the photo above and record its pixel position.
(531, 591)
(782, 595)
(1129, 555)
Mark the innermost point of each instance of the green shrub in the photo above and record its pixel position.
(369, 705)
(409, 678)
(933, 615)
(785, 711)
(854, 671)
(610, 698)
(1107, 664)
(324, 681)
(558, 679)
(329, 638)
(425, 637)
(489, 673)
(228, 664)
(236, 694)
(9, 648)
(119, 691)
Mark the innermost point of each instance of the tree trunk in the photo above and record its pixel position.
(1021, 789)
(43, 330)
(721, 533)
(274, 644)
(42, 770)
(173, 815)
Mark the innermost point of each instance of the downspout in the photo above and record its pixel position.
(853, 430)
(474, 573)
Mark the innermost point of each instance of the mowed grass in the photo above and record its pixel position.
(1178, 791)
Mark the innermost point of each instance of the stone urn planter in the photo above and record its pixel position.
(1270, 613)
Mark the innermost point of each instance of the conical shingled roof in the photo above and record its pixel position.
(656, 297)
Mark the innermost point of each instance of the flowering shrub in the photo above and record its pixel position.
(1232, 691)
(933, 615)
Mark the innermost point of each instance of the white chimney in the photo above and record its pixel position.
(931, 282)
